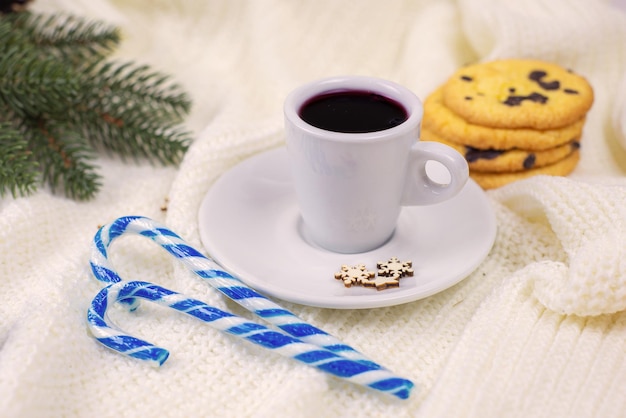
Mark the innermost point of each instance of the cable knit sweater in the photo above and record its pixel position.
(538, 330)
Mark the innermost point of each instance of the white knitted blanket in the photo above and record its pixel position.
(539, 329)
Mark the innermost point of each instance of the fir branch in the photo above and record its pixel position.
(65, 36)
(19, 172)
(138, 84)
(32, 86)
(132, 132)
(64, 158)
(69, 103)
(133, 105)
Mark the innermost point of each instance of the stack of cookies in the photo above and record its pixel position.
(511, 119)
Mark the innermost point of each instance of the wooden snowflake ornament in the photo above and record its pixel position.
(389, 274)
(395, 268)
(382, 282)
(354, 274)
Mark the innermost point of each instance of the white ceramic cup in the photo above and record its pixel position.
(351, 187)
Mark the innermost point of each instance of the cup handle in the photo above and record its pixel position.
(419, 188)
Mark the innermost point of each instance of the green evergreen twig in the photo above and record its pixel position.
(65, 36)
(61, 102)
(18, 170)
(66, 164)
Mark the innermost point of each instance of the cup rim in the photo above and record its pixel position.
(298, 97)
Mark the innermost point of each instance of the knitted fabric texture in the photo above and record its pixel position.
(538, 329)
(589, 221)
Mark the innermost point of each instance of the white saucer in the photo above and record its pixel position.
(250, 224)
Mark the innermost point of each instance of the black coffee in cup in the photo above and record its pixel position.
(352, 111)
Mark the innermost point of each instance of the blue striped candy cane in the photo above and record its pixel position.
(360, 373)
(230, 286)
